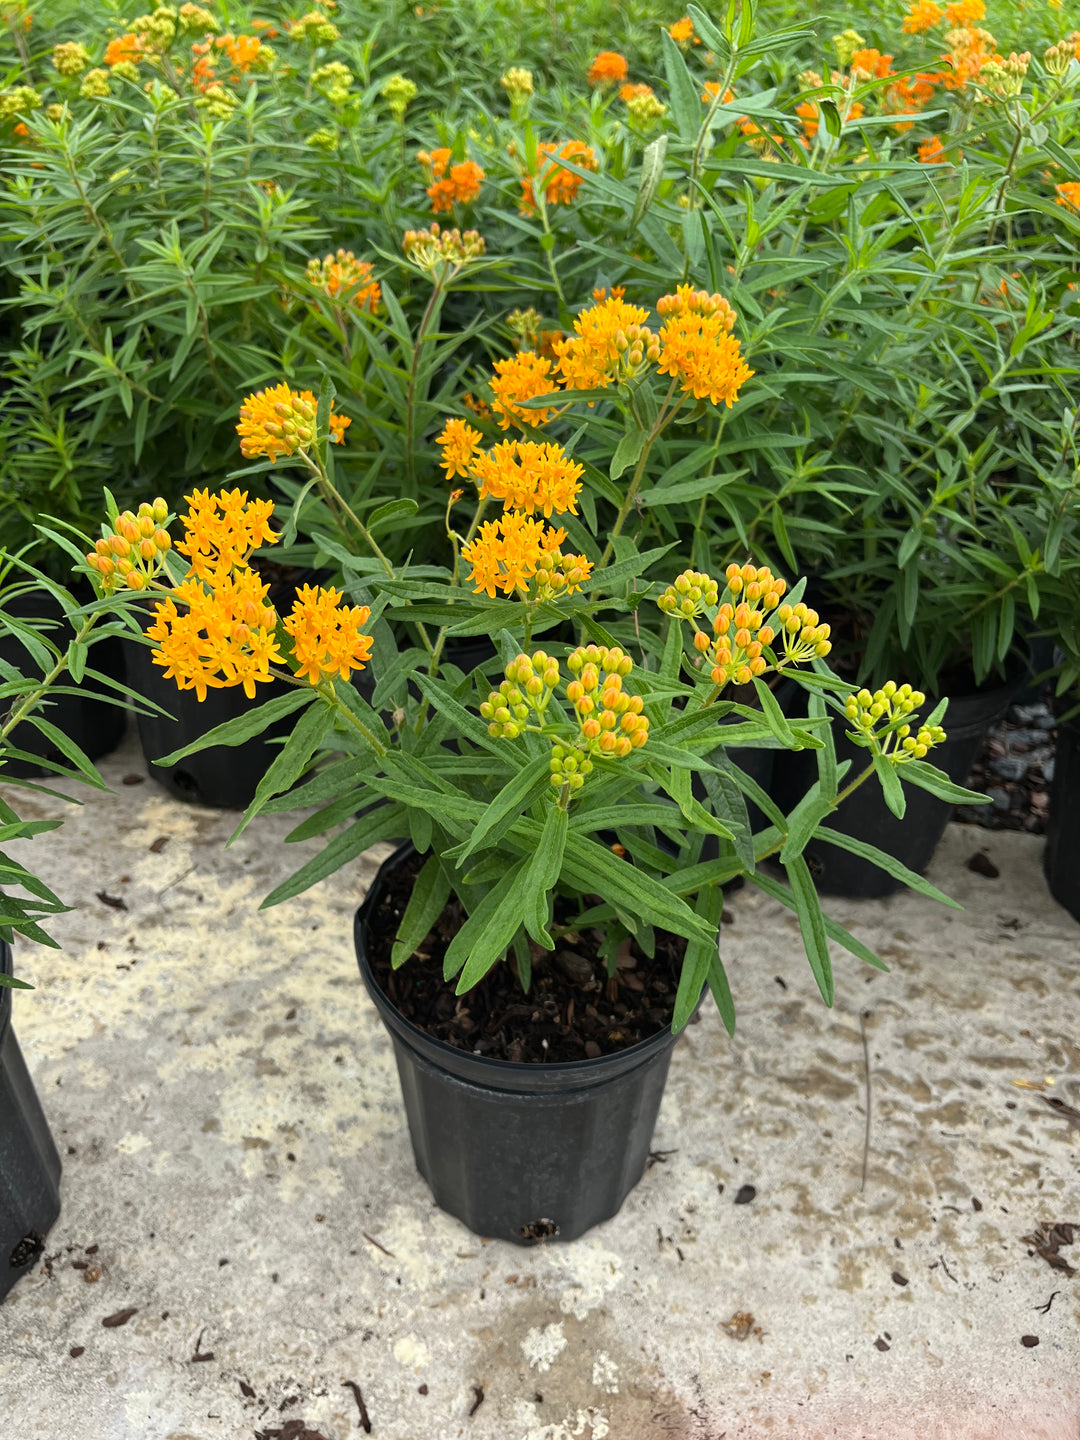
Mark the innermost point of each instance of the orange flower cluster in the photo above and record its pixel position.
(923, 15)
(932, 151)
(460, 443)
(682, 32)
(965, 12)
(608, 68)
(509, 553)
(870, 64)
(129, 553)
(281, 421)
(972, 49)
(697, 348)
(221, 531)
(522, 377)
(712, 89)
(125, 49)
(528, 476)
(221, 637)
(611, 342)
(1068, 194)
(909, 94)
(343, 272)
(450, 184)
(558, 185)
(612, 723)
(635, 92)
(327, 638)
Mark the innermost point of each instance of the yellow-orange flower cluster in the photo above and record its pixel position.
(611, 342)
(281, 421)
(450, 184)
(608, 68)
(216, 637)
(559, 185)
(965, 12)
(682, 32)
(343, 272)
(870, 64)
(327, 637)
(1068, 194)
(971, 49)
(509, 553)
(221, 531)
(125, 49)
(922, 15)
(932, 151)
(460, 443)
(129, 553)
(697, 348)
(523, 376)
(527, 476)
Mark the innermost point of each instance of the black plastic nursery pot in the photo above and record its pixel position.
(1061, 859)
(29, 1162)
(865, 816)
(96, 726)
(521, 1152)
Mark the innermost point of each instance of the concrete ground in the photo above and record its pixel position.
(238, 1173)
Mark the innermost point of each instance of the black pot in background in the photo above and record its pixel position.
(29, 1162)
(521, 1152)
(1061, 860)
(865, 816)
(95, 726)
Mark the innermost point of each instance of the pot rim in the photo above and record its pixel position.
(485, 1068)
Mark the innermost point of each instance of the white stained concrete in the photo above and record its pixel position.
(234, 1146)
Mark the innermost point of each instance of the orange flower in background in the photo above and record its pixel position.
(450, 184)
(590, 358)
(635, 92)
(808, 114)
(123, 48)
(923, 15)
(342, 272)
(971, 50)
(338, 425)
(522, 377)
(528, 476)
(870, 64)
(609, 68)
(560, 185)
(460, 443)
(222, 530)
(682, 32)
(327, 638)
(965, 12)
(697, 348)
(932, 151)
(1068, 194)
(910, 94)
(221, 637)
(712, 89)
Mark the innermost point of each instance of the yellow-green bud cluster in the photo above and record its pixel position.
(18, 101)
(399, 92)
(558, 574)
(612, 723)
(126, 70)
(129, 552)
(692, 592)
(569, 766)
(529, 684)
(195, 20)
(217, 103)
(157, 30)
(324, 139)
(431, 248)
(315, 28)
(646, 109)
(884, 712)
(95, 85)
(517, 83)
(636, 346)
(70, 59)
(1057, 58)
(847, 42)
(333, 80)
(804, 638)
(1004, 78)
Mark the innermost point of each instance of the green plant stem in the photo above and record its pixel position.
(549, 251)
(841, 797)
(337, 502)
(662, 419)
(48, 681)
(410, 402)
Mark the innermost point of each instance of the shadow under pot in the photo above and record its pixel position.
(29, 1162)
(522, 1152)
(1061, 859)
(865, 816)
(95, 725)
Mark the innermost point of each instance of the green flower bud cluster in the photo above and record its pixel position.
(847, 42)
(530, 682)
(95, 85)
(18, 101)
(569, 766)
(195, 20)
(315, 28)
(158, 29)
(399, 92)
(1004, 78)
(517, 83)
(126, 70)
(333, 81)
(646, 109)
(884, 712)
(217, 103)
(70, 59)
(690, 595)
(1058, 57)
(324, 139)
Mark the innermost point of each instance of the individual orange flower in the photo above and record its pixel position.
(760, 139)
(216, 637)
(932, 151)
(870, 64)
(222, 530)
(965, 12)
(327, 638)
(682, 32)
(528, 476)
(460, 443)
(560, 186)
(343, 272)
(697, 348)
(450, 184)
(923, 15)
(1068, 194)
(609, 68)
(610, 339)
(245, 51)
(338, 425)
(522, 377)
(124, 48)
(808, 114)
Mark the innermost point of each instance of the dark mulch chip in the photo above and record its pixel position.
(76, 1351)
(156, 846)
(574, 1010)
(745, 1194)
(1046, 1240)
(133, 780)
(1030, 1341)
(113, 1322)
(981, 863)
(114, 902)
(291, 1430)
(880, 1344)
(899, 1279)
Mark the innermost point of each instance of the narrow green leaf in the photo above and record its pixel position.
(386, 823)
(888, 863)
(67, 747)
(891, 788)
(244, 727)
(290, 760)
(652, 173)
(543, 873)
(426, 903)
(929, 777)
(682, 91)
(511, 800)
(811, 924)
(773, 716)
(698, 959)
